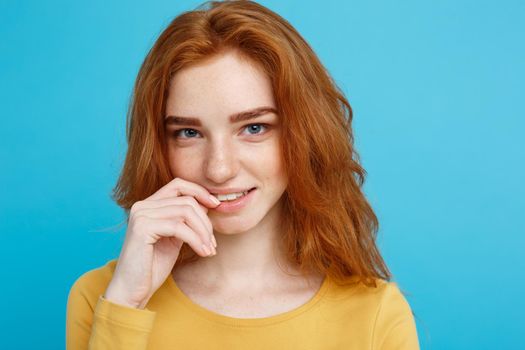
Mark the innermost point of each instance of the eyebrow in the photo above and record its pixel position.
(234, 118)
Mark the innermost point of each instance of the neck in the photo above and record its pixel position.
(247, 259)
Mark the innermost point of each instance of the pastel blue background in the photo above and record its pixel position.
(437, 89)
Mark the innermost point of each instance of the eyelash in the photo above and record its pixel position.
(176, 132)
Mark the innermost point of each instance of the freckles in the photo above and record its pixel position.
(270, 161)
(184, 162)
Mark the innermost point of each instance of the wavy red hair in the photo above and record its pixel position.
(328, 225)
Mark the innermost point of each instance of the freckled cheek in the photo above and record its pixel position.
(184, 164)
(269, 162)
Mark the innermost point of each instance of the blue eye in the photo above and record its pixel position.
(190, 133)
(250, 127)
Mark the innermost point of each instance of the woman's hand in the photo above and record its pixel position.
(157, 228)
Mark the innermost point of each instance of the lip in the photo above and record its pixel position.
(238, 204)
(228, 190)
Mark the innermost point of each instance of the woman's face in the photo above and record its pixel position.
(219, 153)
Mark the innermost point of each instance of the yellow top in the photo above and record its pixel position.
(337, 317)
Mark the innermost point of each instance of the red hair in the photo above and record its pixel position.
(328, 225)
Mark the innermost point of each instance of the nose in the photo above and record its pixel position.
(221, 163)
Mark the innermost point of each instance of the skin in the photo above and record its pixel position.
(221, 154)
(248, 263)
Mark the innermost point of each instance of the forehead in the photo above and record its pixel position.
(222, 85)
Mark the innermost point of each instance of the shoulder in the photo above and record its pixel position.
(394, 324)
(382, 291)
(391, 300)
(391, 304)
(384, 304)
(93, 283)
(383, 309)
(97, 276)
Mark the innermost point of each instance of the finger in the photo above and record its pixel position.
(176, 212)
(179, 187)
(156, 229)
(183, 200)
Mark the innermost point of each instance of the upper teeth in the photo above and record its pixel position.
(230, 196)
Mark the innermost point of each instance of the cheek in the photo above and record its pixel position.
(183, 163)
(271, 163)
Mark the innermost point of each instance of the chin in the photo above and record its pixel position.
(231, 226)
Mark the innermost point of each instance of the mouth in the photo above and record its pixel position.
(236, 205)
(233, 196)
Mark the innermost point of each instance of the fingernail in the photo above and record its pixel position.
(214, 241)
(214, 199)
(206, 249)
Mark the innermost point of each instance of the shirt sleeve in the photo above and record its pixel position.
(95, 323)
(395, 328)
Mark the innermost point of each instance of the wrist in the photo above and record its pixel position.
(116, 297)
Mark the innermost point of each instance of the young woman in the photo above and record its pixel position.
(240, 146)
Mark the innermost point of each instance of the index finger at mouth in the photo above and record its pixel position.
(179, 187)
